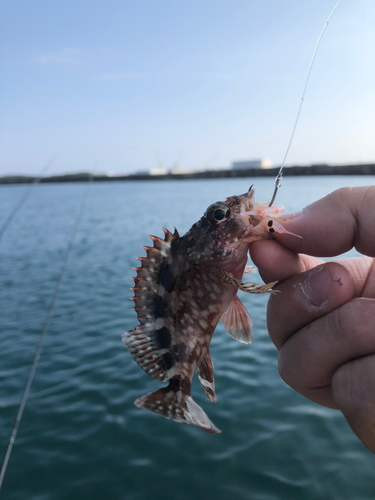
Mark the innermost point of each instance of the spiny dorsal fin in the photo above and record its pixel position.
(146, 340)
(237, 322)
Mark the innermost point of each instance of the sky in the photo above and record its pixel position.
(124, 86)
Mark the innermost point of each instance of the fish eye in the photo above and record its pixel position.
(217, 212)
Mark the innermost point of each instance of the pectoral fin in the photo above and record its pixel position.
(206, 376)
(246, 286)
(237, 322)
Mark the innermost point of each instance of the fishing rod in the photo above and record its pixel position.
(26, 194)
(280, 173)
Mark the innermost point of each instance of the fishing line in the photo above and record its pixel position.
(26, 194)
(280, 174)
(43, 334)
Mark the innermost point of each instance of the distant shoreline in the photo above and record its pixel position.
(364, 169)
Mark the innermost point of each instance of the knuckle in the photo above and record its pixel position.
(353, 388)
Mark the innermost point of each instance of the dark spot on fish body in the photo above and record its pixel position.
(191, 242)
(167, 360)
(159, 307)
(185, 385)
(174, 249)
(163, 338)
(180, 352)
(175, 383)
(166, 278)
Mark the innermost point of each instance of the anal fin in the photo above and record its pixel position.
(206, 376)
(237, 322)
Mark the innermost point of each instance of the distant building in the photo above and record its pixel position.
(182, 171)
(245, 164)
(158, 171)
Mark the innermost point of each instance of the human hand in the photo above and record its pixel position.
(323, 321)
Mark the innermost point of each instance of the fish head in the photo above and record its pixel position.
(217, 238)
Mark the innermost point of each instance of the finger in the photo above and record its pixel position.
(316, 292)
(353, 389)
(310, 358)
(334, 224)
(276, 263)
(305, 298)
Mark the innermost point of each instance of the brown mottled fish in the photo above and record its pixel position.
(184, 286)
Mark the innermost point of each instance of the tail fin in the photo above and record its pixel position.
(177, 406)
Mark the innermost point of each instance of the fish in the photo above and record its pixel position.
(184, 286)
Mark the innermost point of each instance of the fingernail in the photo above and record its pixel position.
(316, 286)
(294, 215)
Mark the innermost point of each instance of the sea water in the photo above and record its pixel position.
(81, 437)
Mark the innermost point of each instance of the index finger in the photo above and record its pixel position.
(334, 224)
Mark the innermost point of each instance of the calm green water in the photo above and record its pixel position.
(81, 437)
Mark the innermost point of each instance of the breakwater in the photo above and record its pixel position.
(363, 169)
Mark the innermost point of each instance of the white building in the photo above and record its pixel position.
(158, 171)
(245, 164)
